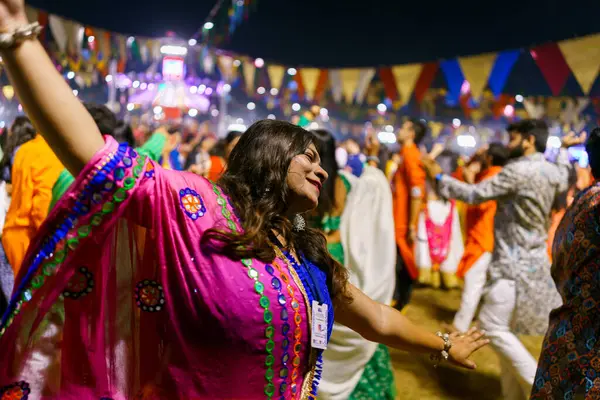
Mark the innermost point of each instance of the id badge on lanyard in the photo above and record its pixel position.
(319, 325)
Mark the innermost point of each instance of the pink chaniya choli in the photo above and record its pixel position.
(439, 236)
(119, 300)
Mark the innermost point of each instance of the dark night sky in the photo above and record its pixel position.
(337, 33)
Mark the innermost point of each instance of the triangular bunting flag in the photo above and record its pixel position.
(583, 57)
(276, 73)
(476, 70)
(321, 85)
(249, 69)
(552, 63)
(226, 67)
(335, 78)
(310, 79)
(59, 32)
(366, 76)
(501, 70)
(350, 78)
(406, 77)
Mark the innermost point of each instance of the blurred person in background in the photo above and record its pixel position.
(35, 169)
(520, 292)
(19, 133)
(353, 213)
(479, 243)
(439, 246)
(408, 188)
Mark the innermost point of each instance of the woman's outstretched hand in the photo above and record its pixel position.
(465, 344)
(12, 15)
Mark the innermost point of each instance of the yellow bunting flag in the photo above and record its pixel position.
(350, 80)
(406, 76)
(249, 69)
(476, 70)
(583, 55)
(276, 73)
(366, 76)
(310, 79)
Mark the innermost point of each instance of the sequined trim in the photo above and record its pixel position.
(15, 391)
(284, 315)
(80, 284)
(297, 348)
(264, 301)
(99, 189)
(149, 296)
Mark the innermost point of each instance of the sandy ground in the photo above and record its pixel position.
(416, 379)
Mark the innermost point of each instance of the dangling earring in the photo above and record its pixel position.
(299, 223)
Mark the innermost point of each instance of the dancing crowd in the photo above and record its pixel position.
(162, 262)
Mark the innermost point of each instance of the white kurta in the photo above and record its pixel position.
(367, 235)
(438, 212)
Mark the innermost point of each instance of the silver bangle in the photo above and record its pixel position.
(444, 354)
(19, 35)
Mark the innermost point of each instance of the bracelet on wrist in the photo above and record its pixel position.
(19, 35)
(443, 355)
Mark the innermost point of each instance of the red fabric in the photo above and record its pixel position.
(553, 66)
(389, 83)
(321, 85)
(480, 228)
(425, 80)
(410, 174)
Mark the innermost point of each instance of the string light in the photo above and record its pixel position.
(226, 88)
(519, 98)
(251, 106)
(130, 107)
(259, 63)
(292, 71)
(192, 112)
(192, 42)
(271, 116)
(296, 107)
(381, 107)
(274, 92)
(261, 90)
(70, 75)
(209, 25)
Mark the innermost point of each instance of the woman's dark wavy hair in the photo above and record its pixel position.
(255, 181)
(22, 131)
(325, 144)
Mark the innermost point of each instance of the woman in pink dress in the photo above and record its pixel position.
(149, 283)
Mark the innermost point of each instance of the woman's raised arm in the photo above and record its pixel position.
(46, 98)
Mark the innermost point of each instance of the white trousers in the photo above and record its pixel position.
(517, 365)
(474, 283)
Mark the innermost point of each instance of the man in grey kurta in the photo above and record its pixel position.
(520, 292)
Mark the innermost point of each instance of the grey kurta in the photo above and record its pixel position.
(524, 191)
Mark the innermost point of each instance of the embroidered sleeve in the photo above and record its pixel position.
(500, 185)
(92, 205)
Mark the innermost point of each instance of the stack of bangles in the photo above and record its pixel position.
(444, 354)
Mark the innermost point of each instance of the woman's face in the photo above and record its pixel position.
(305, 179)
